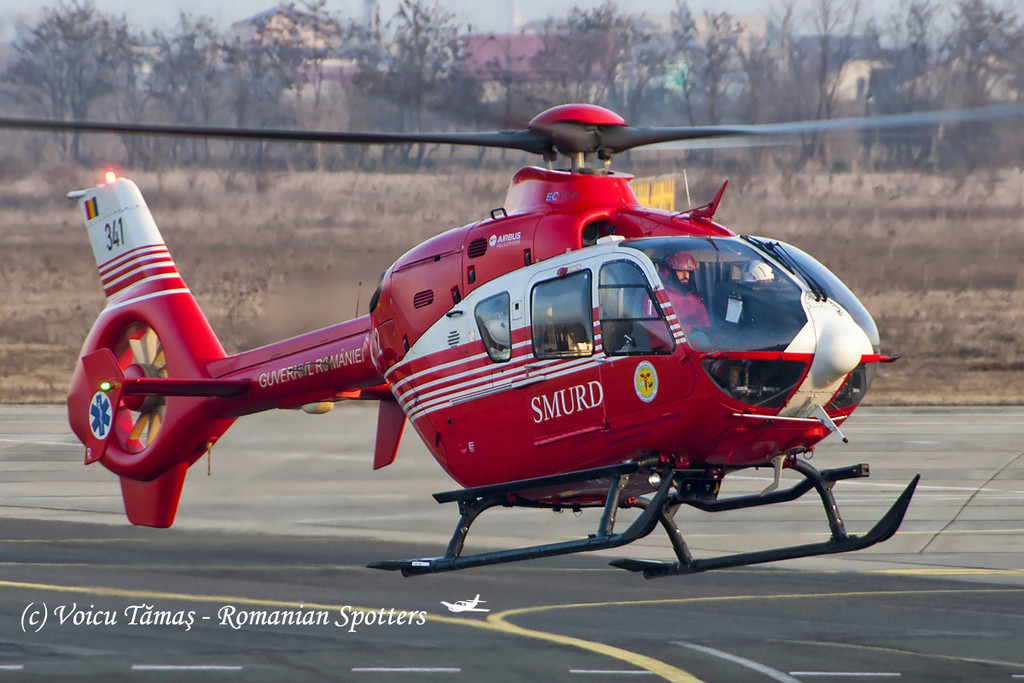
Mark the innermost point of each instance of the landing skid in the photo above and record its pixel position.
(675, 489)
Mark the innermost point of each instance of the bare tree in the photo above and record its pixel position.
(304, 38)
(684, 48)
(981, 34)
(425, 54)
(570, 61)
(909, 45)
(706, 51)
(365, 45)
(256, 79)
(69, 61)
(506, 69)
(790, 100)
(185, 77)
(836, 25)
(601, 55)
(978, 74)
(717, 50)
(757, 67)
(643, 58)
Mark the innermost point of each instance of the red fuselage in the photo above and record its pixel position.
(524, 416)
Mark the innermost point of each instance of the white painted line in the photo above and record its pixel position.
(11, 667)
(406, 669)
(610, 672)
(775, 674)
(860, 674)
(146, 297)
(39, 443)
(186, 667)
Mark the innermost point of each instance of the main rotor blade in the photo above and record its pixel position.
(704, 137)
(518, 139)
(568, 137)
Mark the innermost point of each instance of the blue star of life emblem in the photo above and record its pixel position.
(100, 415)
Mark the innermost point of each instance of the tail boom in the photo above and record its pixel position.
(153, 389)
(325, 365)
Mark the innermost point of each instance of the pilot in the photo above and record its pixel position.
(681, 287)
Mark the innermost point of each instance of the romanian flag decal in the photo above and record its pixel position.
(90, 209)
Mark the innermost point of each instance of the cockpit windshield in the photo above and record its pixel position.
(727, 295)
(821, 280)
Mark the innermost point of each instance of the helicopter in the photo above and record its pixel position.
(572, 350)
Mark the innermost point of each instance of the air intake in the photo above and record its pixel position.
(424, 298)
(477, 247)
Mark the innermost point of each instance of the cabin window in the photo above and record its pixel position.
(631, 319)
(492, 319)
(563, 317)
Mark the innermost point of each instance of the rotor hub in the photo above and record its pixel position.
(582, 114)
(143, 403)
(576, 130)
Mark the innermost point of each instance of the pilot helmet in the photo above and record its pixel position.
(757, 271)
(681, 260)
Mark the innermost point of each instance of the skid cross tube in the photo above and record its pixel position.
(839, 542)
(821, 481)
(603, 539)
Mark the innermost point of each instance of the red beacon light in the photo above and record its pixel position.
(109, 176)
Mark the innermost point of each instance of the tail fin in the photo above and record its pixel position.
(130, 253)
(152, 328)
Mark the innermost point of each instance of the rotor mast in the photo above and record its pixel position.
(575, 131)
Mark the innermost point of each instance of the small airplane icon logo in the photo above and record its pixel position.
(466, 605)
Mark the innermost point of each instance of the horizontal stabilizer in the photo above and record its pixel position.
(104, 373)
(161, 386)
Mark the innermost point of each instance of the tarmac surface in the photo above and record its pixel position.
(263, 575)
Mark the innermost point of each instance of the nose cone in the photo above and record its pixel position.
(838, 348)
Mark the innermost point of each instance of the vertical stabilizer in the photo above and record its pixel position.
(130, 253)
(154, 503)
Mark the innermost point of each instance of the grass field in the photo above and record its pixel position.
(935, 259)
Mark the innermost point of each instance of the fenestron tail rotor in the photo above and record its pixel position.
(140, 353)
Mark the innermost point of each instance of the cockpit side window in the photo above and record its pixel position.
(631, 320)
(562, 317)
(492, 319)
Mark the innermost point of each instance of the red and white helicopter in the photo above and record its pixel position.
(573, 350)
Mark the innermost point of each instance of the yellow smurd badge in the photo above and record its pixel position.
(645, 381)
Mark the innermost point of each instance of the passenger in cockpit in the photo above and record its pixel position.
(758, 272)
